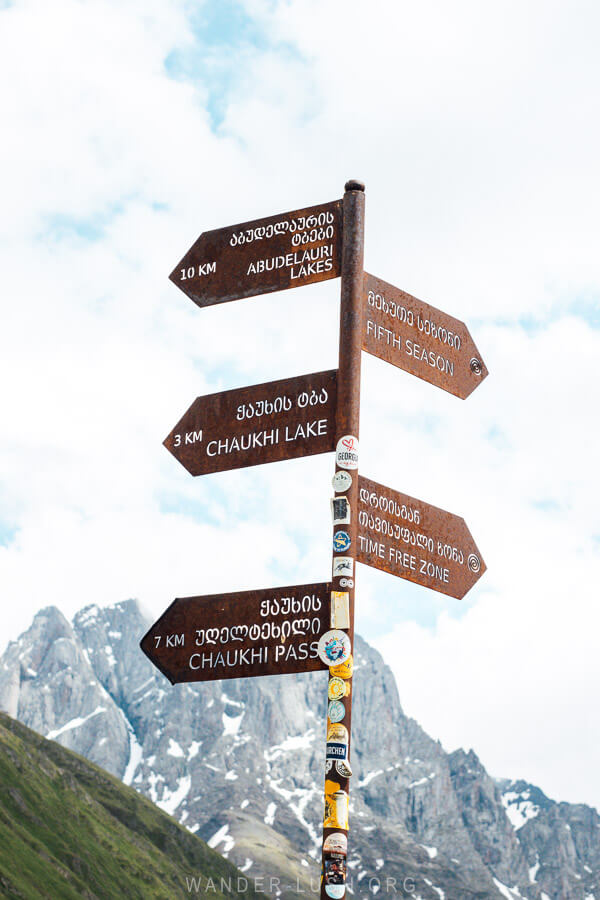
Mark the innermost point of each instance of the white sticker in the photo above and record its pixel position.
(346, 452)
(334, 647)
(342, 482)
(343, 565)
(340, 609)
(340, 511)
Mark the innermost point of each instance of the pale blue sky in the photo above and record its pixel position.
(135, 126)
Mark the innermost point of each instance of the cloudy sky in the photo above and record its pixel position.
(130, 126)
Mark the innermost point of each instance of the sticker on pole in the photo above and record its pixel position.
(336, 843)
(336, 711)
(336, 689)
(334, 647)
(346, 452)
(342, 481)
(343, 565)
(341, 541)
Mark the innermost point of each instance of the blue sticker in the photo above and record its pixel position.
(333, 750)
(341, 541)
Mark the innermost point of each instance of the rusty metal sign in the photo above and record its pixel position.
(274, 631)
(272, 254)
(420, 339)
(417, 541)
(258, 424)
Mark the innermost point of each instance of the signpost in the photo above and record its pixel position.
(240, 635)
(259, 424)
(308, 627)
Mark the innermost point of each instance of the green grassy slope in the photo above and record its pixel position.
(68, 830)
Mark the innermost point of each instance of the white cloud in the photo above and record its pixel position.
(475, 133)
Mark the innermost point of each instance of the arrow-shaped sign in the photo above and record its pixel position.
(272, 254)
(257, 424)
(420, 339)
(417, 541)
(274, 631)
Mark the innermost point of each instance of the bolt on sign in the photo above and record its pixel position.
(417, 541)
(420, 339)
(275, 631)
(258, 424)
(272, 254)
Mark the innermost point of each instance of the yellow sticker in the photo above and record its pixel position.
(337, 732)
(336, 689)
(343, 670)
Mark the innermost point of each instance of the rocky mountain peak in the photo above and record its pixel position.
(241, 764)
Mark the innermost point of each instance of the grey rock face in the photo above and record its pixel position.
(240, 763)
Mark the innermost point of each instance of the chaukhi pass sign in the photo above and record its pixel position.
(310, 627)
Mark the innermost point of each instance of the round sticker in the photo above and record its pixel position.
(337, 732)
(343, 769)
(346, 452)
(341, 541)
(343, 670)
(336, 689)
(342, 482)
(336, 843)
(335, 891)
(336, 711)
(334, 647)
(346, 582)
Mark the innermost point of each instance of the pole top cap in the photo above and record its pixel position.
(354, 185)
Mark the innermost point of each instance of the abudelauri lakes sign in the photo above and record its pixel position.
(272, 254)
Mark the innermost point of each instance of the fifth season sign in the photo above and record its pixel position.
(258, 424)
(420, 339)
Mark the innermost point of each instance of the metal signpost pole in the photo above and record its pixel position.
(345, 517)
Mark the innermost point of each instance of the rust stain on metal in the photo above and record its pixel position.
(272, 254)
(274, 631)
(258, 424)
(416, 541)
(420, 339)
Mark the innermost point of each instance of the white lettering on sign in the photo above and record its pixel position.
(428, 356)
(280, 404)
(379, 501)
(370, 546)
(380, 525)
(305, 230)
(243, 442)
(198, 271)
(405, 315)
(306, 430)
(284, 653)
(229, 658)
(258, 631)
(190, 437)
(171, 640)
(384, 334)
(301, 263)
